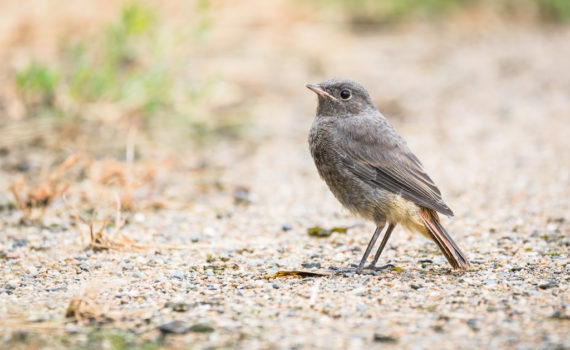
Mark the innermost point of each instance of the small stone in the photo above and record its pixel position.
(209, 232)
(12, 285)
(356, 249)
(176, 274)
(416, 286)
(174, 327)
(381, 338)
(31, 271)
(473, 324)
(79, 257)
(516, 268)
(139, 218)
(202, 328)
(19, 243)
(85, 267)
(71, 328)
(38, 318)
(286, 227)
(558, 315)
(178, 306)
(425, 261)
(311, 264)
(548, 285)
(340, 257)
(276, 286)
(242, 195)
(127, 266)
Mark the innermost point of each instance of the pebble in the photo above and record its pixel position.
(559, 315)
(548, 285)
(177, 274)
(31, 271)
(339, 257)
(19, 243)
(178, 306)
(381, 338)
(202, 328)
(425, 261)
(127, 266)
(473, 324)
(174, 327)
(311, 264)
(139, 218)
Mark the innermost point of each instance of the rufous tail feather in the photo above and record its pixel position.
(447, 246)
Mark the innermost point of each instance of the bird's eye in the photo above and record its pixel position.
(345, 94)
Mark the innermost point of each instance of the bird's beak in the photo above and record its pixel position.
(319, 91)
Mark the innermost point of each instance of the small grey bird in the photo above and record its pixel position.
(370, 169)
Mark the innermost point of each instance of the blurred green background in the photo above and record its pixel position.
(145, 63)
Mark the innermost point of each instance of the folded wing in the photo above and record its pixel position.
(382, 158)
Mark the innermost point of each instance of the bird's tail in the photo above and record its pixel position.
(447, 246)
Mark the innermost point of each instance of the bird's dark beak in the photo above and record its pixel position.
(319, 91)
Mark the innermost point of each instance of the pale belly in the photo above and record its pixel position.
(371, 203)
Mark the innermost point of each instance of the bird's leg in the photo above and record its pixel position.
(370, 246)
(372, 265)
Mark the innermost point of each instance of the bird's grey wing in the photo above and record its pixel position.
(378, 155)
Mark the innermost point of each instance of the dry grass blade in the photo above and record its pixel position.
(40, 197)
(100, 239)
(297, 273)
(85, 308)
(81, 308)
(126, 179)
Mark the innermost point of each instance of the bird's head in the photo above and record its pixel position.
(341, 98)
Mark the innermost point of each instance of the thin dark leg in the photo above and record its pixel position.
(382, 244)
(369, 248)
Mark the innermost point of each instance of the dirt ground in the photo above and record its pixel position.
(486, 109)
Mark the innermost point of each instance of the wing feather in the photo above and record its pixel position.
(377, 154)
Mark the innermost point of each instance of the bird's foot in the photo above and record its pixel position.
(342, 269)
(378, 268)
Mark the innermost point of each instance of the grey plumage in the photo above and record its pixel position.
(369, 167)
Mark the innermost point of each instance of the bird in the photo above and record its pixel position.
(372, 172)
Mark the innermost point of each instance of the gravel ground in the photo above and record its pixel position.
(488, 114)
